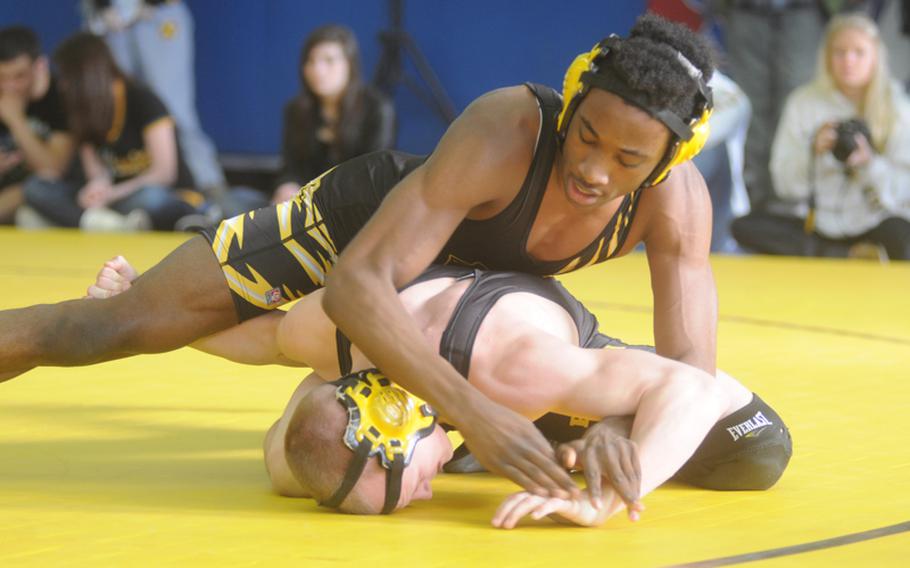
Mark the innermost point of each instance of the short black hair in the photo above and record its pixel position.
(18, 40)
(647, 63)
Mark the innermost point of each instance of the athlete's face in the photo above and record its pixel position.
(852, 57)
(326, 69)
(610, 149)
(430, 454)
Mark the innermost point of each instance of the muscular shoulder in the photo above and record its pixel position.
(491, 144)
(675, 215)
(514, 105)
(509, 118)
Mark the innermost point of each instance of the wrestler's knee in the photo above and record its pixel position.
(687, 383)
(748, 450)
(756, 469)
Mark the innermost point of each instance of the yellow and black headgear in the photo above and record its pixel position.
(383, 420)
(688, 135)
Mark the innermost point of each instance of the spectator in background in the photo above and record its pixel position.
(769, 45)
(152, 41)
(721, 160)
(127, 144)
(843, 151)
(33, 134)
(336, 116)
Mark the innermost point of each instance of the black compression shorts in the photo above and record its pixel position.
(276, 254)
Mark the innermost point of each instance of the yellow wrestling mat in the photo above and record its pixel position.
(156, 460)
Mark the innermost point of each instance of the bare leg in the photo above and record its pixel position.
(253, 342)
(182, 298)
(11, 375)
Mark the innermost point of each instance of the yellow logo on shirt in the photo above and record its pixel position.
(168, 30)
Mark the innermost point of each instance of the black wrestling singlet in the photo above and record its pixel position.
(500, 243)
(457, 342)
(277, 254)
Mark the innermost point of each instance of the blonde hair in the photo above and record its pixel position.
(878, 107)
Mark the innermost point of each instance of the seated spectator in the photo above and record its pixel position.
(843, 151)
(335, 117)
(127, 144)
(153, 42)
(33, 136)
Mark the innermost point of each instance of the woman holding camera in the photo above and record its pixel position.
(842, 150)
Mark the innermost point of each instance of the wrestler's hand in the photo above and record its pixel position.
(115, 276)
(508, 444)
(567, 511)
(602, 453)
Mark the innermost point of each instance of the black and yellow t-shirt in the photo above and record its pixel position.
(136, 109)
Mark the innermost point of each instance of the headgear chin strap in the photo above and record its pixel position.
(689, 135)
(383, 420)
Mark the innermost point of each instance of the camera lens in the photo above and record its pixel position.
(846, 138)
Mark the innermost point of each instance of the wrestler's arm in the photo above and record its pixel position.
(674, 406)
(678, 239)
(621, 426)
(472, 164)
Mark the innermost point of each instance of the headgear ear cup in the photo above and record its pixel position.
(383, 420)
(700, 132)
(572, 87)
(687, 149)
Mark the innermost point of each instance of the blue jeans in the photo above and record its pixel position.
(159, 51)
(56, 201)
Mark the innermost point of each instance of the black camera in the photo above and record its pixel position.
(846, 137)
